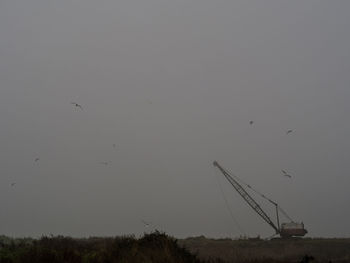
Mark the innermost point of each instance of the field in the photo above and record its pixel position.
(279, 250)
(159, 247)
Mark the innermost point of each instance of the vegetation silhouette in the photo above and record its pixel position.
(158, 247)
(154, 247)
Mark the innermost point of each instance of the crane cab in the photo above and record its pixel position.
(292, 229)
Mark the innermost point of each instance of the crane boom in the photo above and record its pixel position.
(251, 202)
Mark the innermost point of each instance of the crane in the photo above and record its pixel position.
(286, 229)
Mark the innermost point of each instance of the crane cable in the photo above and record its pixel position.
(262, 195)
(229, 209)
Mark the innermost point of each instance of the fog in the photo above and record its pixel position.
(174, 85)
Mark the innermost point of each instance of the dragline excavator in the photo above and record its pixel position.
(285, 230)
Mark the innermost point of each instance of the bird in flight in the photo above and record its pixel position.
(251, 122)
(289, 131)
(77, 105)
(286, 174)
(36, 159)
(147, 224)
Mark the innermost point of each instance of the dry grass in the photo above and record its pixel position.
(278, 250)
(159, 247)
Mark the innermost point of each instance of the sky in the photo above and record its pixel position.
(167, 87)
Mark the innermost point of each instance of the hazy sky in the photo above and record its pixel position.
(174, 84)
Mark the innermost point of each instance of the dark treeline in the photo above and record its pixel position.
(155, 247)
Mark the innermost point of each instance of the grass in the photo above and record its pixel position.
(275, 250)
(158, 247)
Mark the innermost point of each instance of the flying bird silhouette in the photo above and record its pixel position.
(147, 224)
(286, 174)
(36, 159)
(289, 131)
(77, 105)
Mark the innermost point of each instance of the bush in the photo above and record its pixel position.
(155, 247)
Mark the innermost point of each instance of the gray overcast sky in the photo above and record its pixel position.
(174, 84)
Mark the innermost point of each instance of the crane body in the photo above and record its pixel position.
(285, 230)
